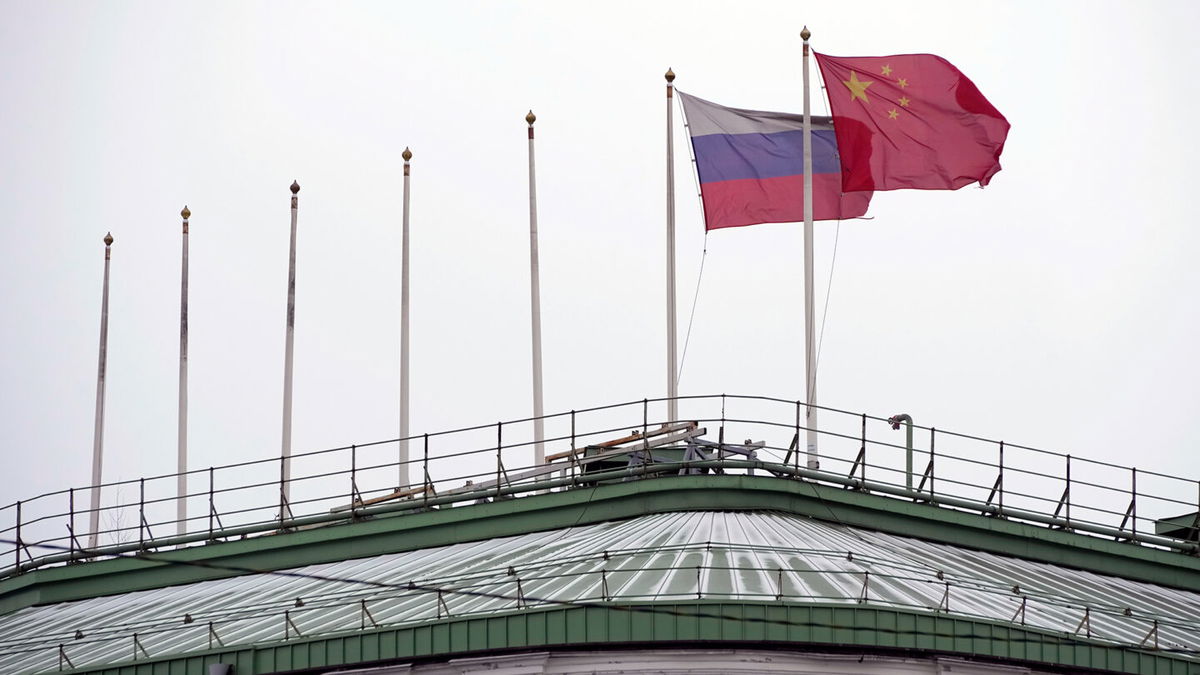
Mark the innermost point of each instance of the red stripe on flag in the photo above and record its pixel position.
(735, 203)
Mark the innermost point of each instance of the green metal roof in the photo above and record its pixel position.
(667, 559)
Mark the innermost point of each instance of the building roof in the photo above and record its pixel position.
(666, 557)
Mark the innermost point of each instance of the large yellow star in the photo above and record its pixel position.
(858, 88)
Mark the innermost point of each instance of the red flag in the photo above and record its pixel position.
(910, 121)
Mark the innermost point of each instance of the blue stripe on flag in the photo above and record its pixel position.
(721, 157)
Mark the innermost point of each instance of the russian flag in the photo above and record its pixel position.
(751, 166)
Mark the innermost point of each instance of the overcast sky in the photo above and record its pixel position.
(1054, 308)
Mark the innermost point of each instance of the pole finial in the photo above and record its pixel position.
(295, 187)
(531, 118)
(186, 212)
(108, 240)
(805, 34)
(670, 76)
(407, 154)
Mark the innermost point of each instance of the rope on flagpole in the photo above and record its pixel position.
(703, 254)
(692, 317)
(828, 289)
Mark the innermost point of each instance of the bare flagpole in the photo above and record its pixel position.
(809, 344)
(98, 438)
(181, 478)
(535, 305)
(286, 462)
(672, 361)
(403, 456)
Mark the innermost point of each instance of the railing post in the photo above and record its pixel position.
(282, 491)
(932, 456)
(354, 474)
(141, 513)
(1001, 477)
(71, 493)
(499, 446)
(425, 467)
(862, 449)
(796, 461)
(17, 546)
(645, 417)
(571, 459)
(1133, 503)
(211, 505)
(1068, 491)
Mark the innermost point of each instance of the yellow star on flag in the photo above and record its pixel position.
(904, 101)
(892, 114)
(902, 83)
(858, 88)
(887, 70)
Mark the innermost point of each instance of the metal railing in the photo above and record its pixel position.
(494, 461)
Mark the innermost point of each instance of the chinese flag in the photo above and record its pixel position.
(910, 121)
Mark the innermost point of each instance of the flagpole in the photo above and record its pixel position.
(286, 455)
(98, 437)
(181, 478)
(535, 303)
(672, 361)
(403, 456)
(809, 344)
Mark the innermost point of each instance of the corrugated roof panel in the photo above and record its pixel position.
(712, 555)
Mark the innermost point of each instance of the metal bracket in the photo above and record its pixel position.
(366, 616)
(793, 447)
(146, 525)
(75, 541)
(1153, 633)
(996, 487)
(212, 635)
(1063, 501)
(926, 476)
(1085, 622)
(1128, 515)
(442, 606)
(1020, 611)
(356, 499)
(285, 509)
(860, 460)
(287, 621)
(62, 656)
(212, 511)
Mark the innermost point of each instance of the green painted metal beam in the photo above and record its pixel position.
(805, 628)
(616, 501)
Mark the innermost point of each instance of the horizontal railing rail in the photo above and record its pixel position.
(490, 461)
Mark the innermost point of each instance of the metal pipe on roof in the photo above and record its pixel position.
(895, 421)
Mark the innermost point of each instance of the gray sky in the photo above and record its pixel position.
(1055, 308)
